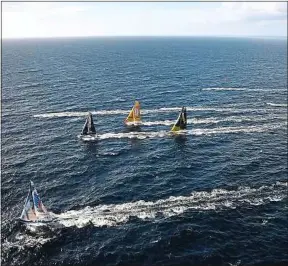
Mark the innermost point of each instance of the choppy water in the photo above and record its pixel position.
(216, 195)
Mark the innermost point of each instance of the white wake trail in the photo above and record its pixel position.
(81, 114)
(195, 132)
(277, 104)
(152, 111)
(215, 120)
(224, 89)
(117, 214)
(217, 199)
(241, 89)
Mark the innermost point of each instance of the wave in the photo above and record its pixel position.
(195, 132)
(224, 89)
(241, 89)
(27, 240)
(29, 71)
(31, 85)
(151, 111)
(22, 241)
(217, 199)
(277, 104)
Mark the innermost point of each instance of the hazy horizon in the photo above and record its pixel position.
(152, 19)
(149, 36)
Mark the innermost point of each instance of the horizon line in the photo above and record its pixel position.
(145, 36)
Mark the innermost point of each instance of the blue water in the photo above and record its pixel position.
(216, 195)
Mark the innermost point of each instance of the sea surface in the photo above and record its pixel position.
(214, 195)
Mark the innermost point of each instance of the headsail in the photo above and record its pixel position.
(134, 115)
(89, 128)
(34, 210)
(181, 122)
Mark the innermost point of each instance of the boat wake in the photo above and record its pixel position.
(152, 111)
(217, 199)
(224, 89)
(23, 240)
(80, 114)
(240, 89)
(195, 132)
(215, 120)
(277, 104)
(30, 238)
(117, 214)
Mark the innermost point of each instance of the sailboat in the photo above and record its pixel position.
(34, 211)
(134, 117)
(181, 122)
(88, 131)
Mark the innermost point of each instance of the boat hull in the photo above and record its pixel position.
(38, 222)
(88, 137)
(179, 132)
(133, 124)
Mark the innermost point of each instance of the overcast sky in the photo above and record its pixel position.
(52, 19)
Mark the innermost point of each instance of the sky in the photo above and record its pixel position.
(69, 19)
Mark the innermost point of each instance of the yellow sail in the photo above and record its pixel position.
(134, 115)
(176, 126)
(181, 122)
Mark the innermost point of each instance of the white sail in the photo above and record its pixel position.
(34, 210)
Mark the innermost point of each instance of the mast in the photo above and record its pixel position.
(31, 195)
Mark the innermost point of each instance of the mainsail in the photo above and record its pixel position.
(34, 210)
(89, 128)
(134, 115)
(181, 122)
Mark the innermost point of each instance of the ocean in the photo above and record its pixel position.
(216, 195)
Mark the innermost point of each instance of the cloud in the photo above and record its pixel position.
(38, 19)
(254, 11)
(55, 19)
